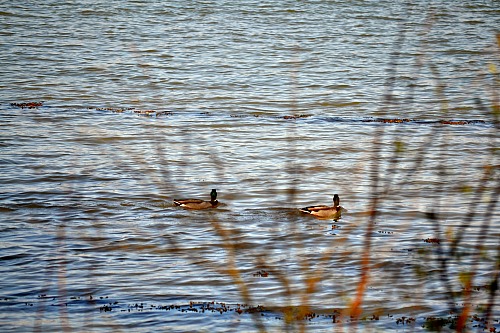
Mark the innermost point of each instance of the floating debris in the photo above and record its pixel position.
(408, 120)
(150, 112)
(115, 110)
(105, 308)
(27, 105)
(136, 111)
(432, 240)
(297, 116)
(261, 273)
(145, 112)
(286, 313)
(405, 321)
(437, 323)
(164, 113)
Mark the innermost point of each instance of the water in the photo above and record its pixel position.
(276, 105)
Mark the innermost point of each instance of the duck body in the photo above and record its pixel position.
(198, 203)
(325, 212)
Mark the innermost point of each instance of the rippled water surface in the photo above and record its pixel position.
(277, 105)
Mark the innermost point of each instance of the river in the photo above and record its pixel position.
(111, 109)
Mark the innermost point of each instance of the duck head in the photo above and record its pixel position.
(213, 195)
(336, 200)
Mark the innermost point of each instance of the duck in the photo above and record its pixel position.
(198, 203)
(325, 212)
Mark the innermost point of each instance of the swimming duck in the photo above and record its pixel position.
(325, 212)
(197, 203)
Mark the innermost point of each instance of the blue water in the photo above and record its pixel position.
(277, 105)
